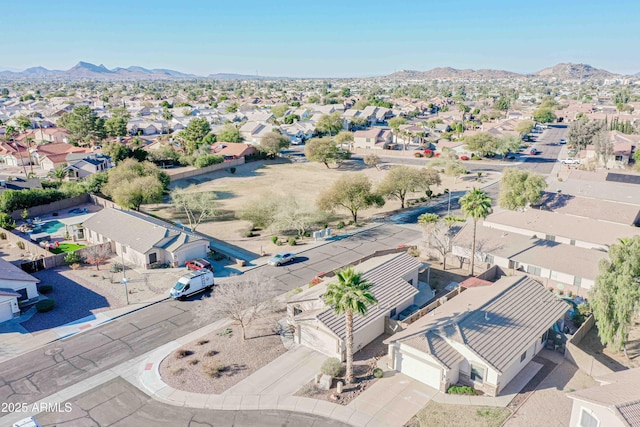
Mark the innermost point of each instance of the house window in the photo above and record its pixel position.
(532, 269)
(153, 258)
(544, 337)
(577, 281)
(477, 373)
(550, 237)
(523, 357)
(553, 275)
(587, 419)
(618, 158)
(393, 313)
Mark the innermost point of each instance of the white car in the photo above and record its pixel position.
(570, 162)
(282, 258)
(563, 141)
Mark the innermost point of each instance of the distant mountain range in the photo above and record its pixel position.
(562, 71)
(88, 71)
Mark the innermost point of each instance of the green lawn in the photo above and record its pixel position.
(66, 247)
(443, 415)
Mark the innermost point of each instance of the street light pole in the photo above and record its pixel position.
(449, 206)
(124, 275)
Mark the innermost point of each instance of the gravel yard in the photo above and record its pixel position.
(216, 362)
(442, 415)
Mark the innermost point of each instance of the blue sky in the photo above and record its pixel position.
(325, 38)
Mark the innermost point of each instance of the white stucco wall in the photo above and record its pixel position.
(604, 415)
(31, 287)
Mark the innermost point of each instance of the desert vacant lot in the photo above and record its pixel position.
(304, 180)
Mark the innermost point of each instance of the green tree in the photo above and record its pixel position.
(197, 206)
(344, 137)
(60, 173)
(83, 125)
(116, 125)
(401, 180)
(395, 123)
(520, 188)
(507, 144)
(502, 104)
(372, 160)
(324, 150)
(193, 135)
(475, 204)
(279, 110)
(350, 192)
(358, 122)
(525, 126)
(482, 143)
(330, 123)
(616, 293)
(117, 151)
(272, 143)
(133, 183)
(229, 133)
(23, 123)
(464, 109)
(581, 133)
(349, 295)
(544, 115)
(166, 114)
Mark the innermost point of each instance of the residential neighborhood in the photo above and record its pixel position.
(271, 221)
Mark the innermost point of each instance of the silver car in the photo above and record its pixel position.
(282, 258)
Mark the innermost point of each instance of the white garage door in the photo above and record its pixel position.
(318, 340)
(419, 370)
(5, 311)
(195, 251)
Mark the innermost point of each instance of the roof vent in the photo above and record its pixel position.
(486, 316)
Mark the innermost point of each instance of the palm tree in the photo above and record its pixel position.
(349, 295)
(59, 173)
(476, 204)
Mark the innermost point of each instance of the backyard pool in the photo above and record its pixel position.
(49, 227)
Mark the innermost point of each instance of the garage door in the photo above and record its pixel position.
(5, 311)
(419, 370)
(318, 340)
(195, 251)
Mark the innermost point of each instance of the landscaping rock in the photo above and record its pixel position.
(325, 382)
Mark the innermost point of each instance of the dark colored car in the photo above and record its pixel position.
(199, 264)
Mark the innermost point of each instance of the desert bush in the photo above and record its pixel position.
(309, 390)
(3, 236)
(378, 373)
(214, 370)
(20, 244)
(211, 353)
(75, 266)
(332, 366)
(274, 240)
(207, 160)
(340, 225)
(45, 305)
(182, 353)
(116, 267)
(414, 252)
(193, 362)
(72, 258)
(177, 370)
(203, 342)
(249, 233)
(292, 241)
(417, 154)
(45, 289)
(6, 221)
(232, 170)
(461, 389)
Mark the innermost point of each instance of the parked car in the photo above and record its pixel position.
(533, 152)
(27, 422)
(563, 141)
(192, 283)
(199, 264)
(464, 157)
(570, 161)
(282, 258)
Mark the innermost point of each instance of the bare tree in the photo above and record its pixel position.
(242, 300)
(441, 236)
(197, 206)
(295, 215)
(372, 160)
(98, 254)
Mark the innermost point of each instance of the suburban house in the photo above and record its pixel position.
(622, 147)
(16, 288)
(144, 240)
(17, 183)
(614, 403)
(52, 156)
(46, 135)
(236, 150)
(375, 138)
(299, 130)
(561, 243)
(481, 338)
(88, 165)
(253, 132)
(14, 154)
(395, 281)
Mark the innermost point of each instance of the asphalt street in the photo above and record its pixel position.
(118, 403)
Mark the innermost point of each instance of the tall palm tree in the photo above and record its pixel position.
(59, 173)
(349, 295)
(476, 204)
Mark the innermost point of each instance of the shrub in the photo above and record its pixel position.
(474, 156)
(75, 266)
(116, 267)
(194, 362)
(428, 153)
(332, 366)
(214, 370)
(578, 319)
(3, 236)
(278, 243)
(585, 309)
(232, 170)
(292, 241)
(417, 154)
(340, 225)
(294, 291)
(20, 244)
(72, 258)
(182, 353)
(249, 233)
(309, 390)
(207, 160)
(414, 252)
(6, 221)
(45, 305)
(177, 370)
(45, 289)
(203, 342)
(461, 389)
(378, 373)
(211, 353)
(274, 240)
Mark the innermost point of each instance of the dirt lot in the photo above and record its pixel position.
(218, 361)
(304, 180)
(443, 415)
(617, 361)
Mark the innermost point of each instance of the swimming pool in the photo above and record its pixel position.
(49, 227)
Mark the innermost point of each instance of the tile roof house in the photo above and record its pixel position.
(144, 240)
(235, 149)
(51, 156)
(87, 165)
(253, 132)
(395, 280)
(614, 403)
(482, 338)
(375, 138)
(16, 288)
